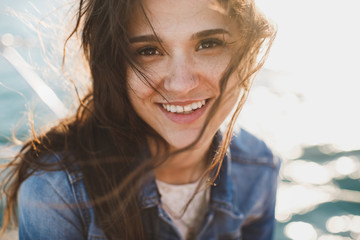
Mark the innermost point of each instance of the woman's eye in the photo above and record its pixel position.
(211, 43)
(148, 51)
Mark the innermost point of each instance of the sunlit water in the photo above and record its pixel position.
(304, 104)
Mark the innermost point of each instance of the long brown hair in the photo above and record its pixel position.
(105, 136)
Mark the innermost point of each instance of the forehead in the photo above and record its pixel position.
(177, 17)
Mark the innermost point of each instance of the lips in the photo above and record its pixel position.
(184, 113)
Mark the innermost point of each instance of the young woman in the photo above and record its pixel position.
(143, 157)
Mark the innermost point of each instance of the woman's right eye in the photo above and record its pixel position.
(149, 51)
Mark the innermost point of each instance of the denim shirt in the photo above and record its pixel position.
(52, 205)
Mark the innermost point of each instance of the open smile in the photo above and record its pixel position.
(184, 109)
(184, 113)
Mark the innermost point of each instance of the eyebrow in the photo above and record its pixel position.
(209, 32)
(145, 38)
(198, 35)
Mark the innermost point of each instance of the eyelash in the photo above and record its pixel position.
(210, 43)
(204, 44)
(149, 51)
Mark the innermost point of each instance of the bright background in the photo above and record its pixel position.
(304, 103)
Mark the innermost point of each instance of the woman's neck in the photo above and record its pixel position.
(185, 167)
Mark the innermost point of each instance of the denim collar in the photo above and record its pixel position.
(221, 194)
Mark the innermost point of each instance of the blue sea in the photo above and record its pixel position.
(303, 103)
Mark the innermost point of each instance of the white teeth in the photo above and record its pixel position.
(187, 108)
(184, 109)
(179, 109)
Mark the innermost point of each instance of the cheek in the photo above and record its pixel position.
(213, 67)
(138, 89)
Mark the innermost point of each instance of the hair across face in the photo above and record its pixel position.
(183, 47)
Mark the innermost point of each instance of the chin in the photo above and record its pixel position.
(178, 142)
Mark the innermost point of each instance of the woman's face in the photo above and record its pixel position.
(184, 61)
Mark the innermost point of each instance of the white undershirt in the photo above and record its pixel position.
(174, 199)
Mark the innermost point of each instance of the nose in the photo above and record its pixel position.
(182, 76)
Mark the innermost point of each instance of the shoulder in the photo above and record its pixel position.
(254, 172)
(58, 200)
(50, 198)
(59, 179)
(61, 184)
(246, 149)
(47, 205)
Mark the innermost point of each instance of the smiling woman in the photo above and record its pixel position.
(143, 158)
(185, 61)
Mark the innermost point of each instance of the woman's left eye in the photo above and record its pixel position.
(209, 43)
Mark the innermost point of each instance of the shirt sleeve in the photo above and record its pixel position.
(47, 209)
